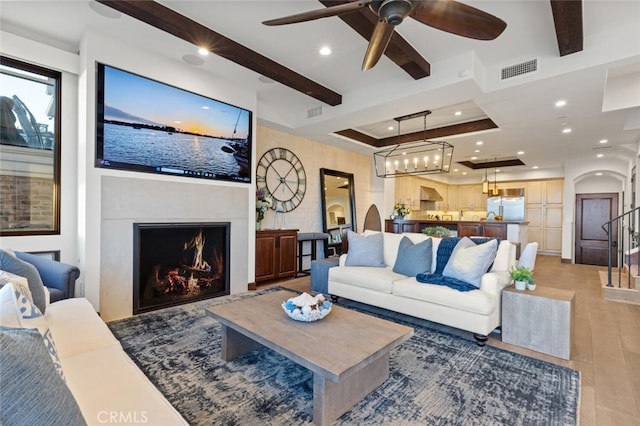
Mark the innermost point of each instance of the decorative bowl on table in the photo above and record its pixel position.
(307, 308)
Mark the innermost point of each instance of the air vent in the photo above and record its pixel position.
(519, 69)
(314, 112)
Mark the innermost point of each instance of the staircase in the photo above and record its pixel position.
(623, 284)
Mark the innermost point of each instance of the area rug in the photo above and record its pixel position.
(435, 379)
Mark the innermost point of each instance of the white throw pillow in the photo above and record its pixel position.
(17, 311)
(20, 283)
(469, 262)
(501, 262)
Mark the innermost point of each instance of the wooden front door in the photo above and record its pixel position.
(592, 211)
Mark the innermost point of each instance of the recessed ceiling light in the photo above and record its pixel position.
(535, 167)
(498, 170)
(266, 80)
(464, 173)
(203, 51)
(325, 50)
(474, 158)
(479, 143)
(600, 155)
(193, 60)
(566, 130)
(520, 152)
(390, 128)
(560, 103)
(599, 174)
(457, 113)
(455, 170)
(449, 154)
(103, 10)
(604, 140)
(477, 150)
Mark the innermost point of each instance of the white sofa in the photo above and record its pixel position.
(477, 311)
(101, 383)
(105, 382)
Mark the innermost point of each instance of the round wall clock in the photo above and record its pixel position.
(281, 172)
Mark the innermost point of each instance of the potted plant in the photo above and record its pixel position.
(521, 275)
(436, 231)
(531, 284)
(401, 210)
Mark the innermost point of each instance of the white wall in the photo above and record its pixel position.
(95, 220)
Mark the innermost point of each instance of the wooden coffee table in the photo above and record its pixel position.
(348, 352)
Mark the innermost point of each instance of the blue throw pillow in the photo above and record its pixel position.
(469, 262)
(10, 263)
(32, 392)
(365, 251)
(413, 259)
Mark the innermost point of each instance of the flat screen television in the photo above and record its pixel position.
(144, 125)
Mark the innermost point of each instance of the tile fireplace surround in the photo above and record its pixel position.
(125, 201)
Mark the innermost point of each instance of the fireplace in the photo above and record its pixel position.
(175, 263)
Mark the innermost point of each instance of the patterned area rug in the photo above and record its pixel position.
(435, 378)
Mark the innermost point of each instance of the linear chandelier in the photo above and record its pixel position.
(419, 158)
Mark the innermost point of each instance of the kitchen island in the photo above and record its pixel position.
(514, 231)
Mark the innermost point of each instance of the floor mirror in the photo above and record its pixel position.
(338, 208)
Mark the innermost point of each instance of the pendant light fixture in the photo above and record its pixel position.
(495, 181)
(413, 159)
(485, 181)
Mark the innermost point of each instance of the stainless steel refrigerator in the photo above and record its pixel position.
(509, 203)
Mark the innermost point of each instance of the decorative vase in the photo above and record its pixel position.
(521, 285)
(258, 225)
(531, 287)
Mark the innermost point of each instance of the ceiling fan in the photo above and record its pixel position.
(446, 15)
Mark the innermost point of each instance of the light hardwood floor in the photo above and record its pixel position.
(606, 347)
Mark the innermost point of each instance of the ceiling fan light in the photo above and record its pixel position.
(394, 11)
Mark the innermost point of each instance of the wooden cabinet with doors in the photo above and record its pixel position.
(276, 251)
(494, 230)
(471, 229)
(544, 212)
(470, 197)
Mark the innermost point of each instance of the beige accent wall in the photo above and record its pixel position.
(314, 156)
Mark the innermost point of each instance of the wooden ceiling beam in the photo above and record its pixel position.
(172, 22)
(430, 134)
(399, 50)
(567, 18)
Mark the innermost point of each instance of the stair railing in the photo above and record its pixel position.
(627, 225)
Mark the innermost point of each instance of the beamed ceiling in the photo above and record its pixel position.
(567, 16)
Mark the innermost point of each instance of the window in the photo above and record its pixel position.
(29, 149)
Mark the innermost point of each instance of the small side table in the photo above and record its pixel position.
(541, 320)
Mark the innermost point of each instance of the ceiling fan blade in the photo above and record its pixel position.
(320, 13)
(378, 44)
(458, 18)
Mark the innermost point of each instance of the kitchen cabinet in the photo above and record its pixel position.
(544, 212)
(471, 229)
(470, 197)
(276, 254)
(494, 230)
(451, 201)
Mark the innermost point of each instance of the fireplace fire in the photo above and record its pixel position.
(179, 263)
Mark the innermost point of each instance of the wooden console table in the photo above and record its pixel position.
(276, 253)
(541, 320)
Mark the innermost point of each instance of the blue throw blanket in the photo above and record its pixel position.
(445, 248)
(438, 279)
